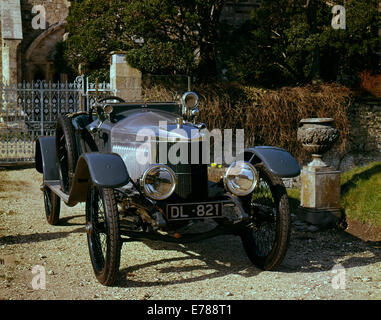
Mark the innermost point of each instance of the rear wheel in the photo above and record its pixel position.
(266, 239)
(66, 151)
(102, 228)
(52, 204)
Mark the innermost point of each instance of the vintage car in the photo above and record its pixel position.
(96, 158)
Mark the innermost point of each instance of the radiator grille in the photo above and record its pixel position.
(192, 179)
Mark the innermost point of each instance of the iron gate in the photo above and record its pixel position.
(28, 110)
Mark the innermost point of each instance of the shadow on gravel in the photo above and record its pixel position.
(37, 237)
(224, 255)
(64, 222)
(15, 166)
(208, 259)
(321, 251)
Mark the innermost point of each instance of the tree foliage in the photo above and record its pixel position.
(291, 42)
(160, 36)
(179, 35)
(285, 41)
(96, 28)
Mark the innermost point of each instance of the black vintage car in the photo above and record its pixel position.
(97, 157)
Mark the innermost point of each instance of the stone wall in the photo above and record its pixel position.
(365, 136)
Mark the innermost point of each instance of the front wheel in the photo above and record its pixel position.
(266, 239)
(102, 228)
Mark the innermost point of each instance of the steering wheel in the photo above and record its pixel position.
(102, 100)
(110, 98)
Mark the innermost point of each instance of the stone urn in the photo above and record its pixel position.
(320, 184)
(317, 135)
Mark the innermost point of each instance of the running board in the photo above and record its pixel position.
(55, 186)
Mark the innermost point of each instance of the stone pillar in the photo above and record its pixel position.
(126, 82)
(320, 191)
(10, 61)
(320, 195)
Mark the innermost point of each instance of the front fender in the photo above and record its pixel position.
(277, 160)
(105, 170)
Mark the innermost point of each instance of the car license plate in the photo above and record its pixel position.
(185, 211)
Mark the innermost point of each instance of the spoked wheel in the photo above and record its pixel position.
(66, 152)
(52, 204)
(102, 228)
(266, 239)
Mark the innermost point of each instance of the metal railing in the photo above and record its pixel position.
(30, 109)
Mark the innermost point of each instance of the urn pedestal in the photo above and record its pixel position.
(320, 184)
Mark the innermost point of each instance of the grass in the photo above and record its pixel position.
(294, 199)
(360, 194)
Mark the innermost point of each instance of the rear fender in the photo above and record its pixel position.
(277, 160)
(45, 157)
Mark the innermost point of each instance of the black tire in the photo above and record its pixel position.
(66, 152)
(266, 240)
(102, 228)
(52, 204)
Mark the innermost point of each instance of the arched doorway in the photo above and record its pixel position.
(40, 54)
(38, 75)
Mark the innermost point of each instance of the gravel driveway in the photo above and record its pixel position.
(327, 264)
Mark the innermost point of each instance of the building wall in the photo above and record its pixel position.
(56, 11)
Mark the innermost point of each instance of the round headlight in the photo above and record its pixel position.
(241, 178)
(158, 182)
(190, 99)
